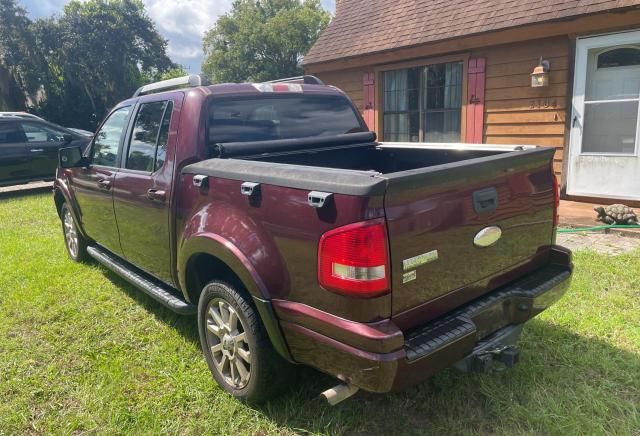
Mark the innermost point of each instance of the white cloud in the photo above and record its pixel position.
(183, 23)
(186, 17)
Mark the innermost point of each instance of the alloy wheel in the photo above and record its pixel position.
(70, 233)
(227, 341)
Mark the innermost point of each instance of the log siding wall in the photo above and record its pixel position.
(514, 112)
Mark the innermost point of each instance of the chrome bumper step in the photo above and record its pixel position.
(513, 304)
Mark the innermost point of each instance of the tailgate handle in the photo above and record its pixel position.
(485, 200)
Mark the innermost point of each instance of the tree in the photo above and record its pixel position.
(173, 73)
(262, 40)
(97, 53)
(19, 64)
(74, 68)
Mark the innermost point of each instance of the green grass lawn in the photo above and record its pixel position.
(81, 351)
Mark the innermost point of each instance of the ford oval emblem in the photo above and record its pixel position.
(487, 236)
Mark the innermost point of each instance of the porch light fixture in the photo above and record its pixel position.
(540, 75)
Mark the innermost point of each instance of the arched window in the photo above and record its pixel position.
(619, 57)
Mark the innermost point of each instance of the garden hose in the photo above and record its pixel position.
(590, 229)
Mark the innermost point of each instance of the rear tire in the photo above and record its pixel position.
(236, 346)
(74, 242)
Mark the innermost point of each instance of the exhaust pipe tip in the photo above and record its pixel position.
(339, 393)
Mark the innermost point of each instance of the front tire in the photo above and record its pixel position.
(74, 242)
(236, 346)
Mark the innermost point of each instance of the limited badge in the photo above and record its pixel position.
(416, 261)
(409, 276)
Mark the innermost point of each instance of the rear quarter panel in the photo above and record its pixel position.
(275, 237)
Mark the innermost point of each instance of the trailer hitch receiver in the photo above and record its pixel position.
(485, 360)
(499, 351)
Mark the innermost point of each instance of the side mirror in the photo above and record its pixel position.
(71, 157)
(67, 138)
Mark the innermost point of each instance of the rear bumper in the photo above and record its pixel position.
(378, 357)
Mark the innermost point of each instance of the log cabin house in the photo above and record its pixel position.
(563, 74)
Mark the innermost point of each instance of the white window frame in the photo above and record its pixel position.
(584, 44)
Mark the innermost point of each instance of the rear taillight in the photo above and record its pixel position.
(556, 208)
(353, 260)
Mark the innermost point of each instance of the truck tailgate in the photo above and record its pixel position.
(439, 218)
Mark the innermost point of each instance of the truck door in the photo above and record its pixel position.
(93, 185)
(43, 143)
(142, 188)
(14, 158)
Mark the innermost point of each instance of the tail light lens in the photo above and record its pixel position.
(353, 260)
(556, 210)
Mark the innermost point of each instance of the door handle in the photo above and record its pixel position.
(156, 195)
(104, 184)
(37, 150)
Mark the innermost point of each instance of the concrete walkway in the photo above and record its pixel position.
(28, 187)
(611, 244)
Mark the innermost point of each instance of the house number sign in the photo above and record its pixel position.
(543, 103)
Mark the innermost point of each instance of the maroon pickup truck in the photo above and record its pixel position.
(271, 212)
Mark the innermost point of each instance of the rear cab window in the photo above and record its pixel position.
(280, 116)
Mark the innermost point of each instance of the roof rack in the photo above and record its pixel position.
(306, 79)
(19, 115)
(179, 82)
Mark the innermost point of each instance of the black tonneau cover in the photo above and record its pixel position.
(263, 148)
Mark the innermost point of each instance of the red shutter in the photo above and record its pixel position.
(369, 99)
(475, 106)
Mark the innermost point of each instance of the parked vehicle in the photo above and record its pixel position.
(271, 212)
(81, 131)
(19, 115)
(29, 148)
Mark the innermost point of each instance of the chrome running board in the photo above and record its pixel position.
(162, 295)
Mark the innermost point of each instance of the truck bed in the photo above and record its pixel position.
(359, 169)
(389, 158)
(437, 200)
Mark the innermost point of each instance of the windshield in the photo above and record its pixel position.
(284, 116)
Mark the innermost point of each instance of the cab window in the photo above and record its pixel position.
(10, 134)
(147, 149)
(39, 133)
(107, 139)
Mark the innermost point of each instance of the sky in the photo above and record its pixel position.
(181, 22)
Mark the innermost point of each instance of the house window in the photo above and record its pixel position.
(619, 57)
(612, 101)
(423, 104)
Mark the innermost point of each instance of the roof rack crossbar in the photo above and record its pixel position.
(190, 81)
(306, 79)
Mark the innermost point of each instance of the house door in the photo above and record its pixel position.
(604, 158)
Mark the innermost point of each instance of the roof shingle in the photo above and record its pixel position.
(370, 26)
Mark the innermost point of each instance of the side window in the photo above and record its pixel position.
(163, 138)
(9, 134)
(147, 150)
(107, 140)
(40, 133)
